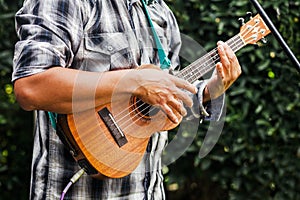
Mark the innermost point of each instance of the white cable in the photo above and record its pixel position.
(72, 181)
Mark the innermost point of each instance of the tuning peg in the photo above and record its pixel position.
(241, 20)
(264, 40)
(249, 14)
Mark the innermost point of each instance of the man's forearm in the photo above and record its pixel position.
(61, 90)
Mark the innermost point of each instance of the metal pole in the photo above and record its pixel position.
(276, 34)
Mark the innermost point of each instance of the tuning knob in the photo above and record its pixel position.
(264, 40)
(249, 14)
(242, 21)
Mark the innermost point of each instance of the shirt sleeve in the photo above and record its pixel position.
(212, 110)
(49, 32)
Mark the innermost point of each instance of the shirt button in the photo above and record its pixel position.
(109, 48)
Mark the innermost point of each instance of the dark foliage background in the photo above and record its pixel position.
(15, 124)
(258, 153)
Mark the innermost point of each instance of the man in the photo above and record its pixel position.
(71, 56)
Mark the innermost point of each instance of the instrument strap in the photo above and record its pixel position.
(53, 119)
(165, 62)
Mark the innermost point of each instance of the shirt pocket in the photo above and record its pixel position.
(109, 51)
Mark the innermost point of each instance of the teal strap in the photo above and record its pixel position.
(53, 117)
(165, 62)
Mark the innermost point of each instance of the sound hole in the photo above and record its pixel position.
(143, 109)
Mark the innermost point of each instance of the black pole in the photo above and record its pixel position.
(276, 34)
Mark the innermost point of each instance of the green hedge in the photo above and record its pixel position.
(258, 153)
(15, 124)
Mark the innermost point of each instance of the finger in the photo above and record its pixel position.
(220, 71)
(183, 84)
(227, 48)
(178, 106)
(231, 57)
(169, 112)
(235, 68)
(223, 56)
(183, 97)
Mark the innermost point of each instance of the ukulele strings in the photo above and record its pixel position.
(235, 47)
(211, 59)
(198, 68)
(231, 42)
(147, 107)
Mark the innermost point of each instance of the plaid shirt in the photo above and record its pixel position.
(91, 35)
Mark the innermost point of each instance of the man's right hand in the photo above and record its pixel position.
(159, 88)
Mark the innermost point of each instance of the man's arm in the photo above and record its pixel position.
(64, 90)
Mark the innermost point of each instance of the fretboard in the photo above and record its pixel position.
(206, 63)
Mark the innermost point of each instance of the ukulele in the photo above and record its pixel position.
(110, 140)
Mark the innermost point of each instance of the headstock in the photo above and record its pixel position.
(254, 30)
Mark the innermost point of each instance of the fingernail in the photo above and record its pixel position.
(184, 112)
(220, 42)
(221, 48)
(191, 104)
(176, 121)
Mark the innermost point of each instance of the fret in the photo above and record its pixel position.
(206, 63)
